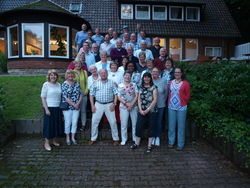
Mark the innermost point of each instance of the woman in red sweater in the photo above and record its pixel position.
(179, 94)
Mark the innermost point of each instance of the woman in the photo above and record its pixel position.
(127, 95)
(81, 76)
(141, 66)
(150, 66)
(168, 72)
(94, 76)
(136, 77)
(80, 57)
(114, 74)
(162, 89)
(178, 97)
(71, 94)
(51, 97)
(147, 100)
(124, 62)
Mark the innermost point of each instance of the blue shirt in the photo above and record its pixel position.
(98, 39)
(80, 38)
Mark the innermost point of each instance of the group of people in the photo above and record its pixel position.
(127, 78)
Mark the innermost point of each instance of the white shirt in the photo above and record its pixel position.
(99, 66)
(107, 47)
(52, 92)
(91, 81)
(148, 53)
(116, 77)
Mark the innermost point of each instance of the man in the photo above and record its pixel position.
(117, 53)
(95, 51)
(133, 42)
(105, 93)
(107, 46)
(115, 38)
(142, 36)
(143, 46)
(160, 61)
(155, 48)
(104, 63)
(98, 38)
(124, 30)
(131, 56)
(81, 36)
(110, 32)
(89, 57)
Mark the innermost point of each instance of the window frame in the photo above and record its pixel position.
(80, 8)
(197, 49)
(132, 17)
(174, 19)
(8, 36)
(23, 45)
(192, 20)
(149, 13)
(213, 47)
(67, 49)
(166, 12)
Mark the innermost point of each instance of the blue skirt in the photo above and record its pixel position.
(53, 124)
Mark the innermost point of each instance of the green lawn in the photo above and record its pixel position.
(22, 96)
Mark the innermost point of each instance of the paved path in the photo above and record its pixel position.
(24, 163)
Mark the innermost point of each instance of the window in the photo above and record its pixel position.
(33, 39)
(76, 8)
(175, 49)
(213, 51)
(142, 12)
(191, 49)
(192, 13)
(2, 45)
(159, 12)
(127, 11)
(58, 41)
(13, 41)
(176, 13)
(163, 42)
(74, 48)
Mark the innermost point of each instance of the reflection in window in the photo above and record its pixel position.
(175, 49)
(163, 42)
(159, 12)
(142, 12)
(191, 46)
(33, 39)
(193, 14)
(126, 11)
(176, 13)
(58, 45)
(74, 48)
(213, 51)
(75, 8)
(13, 41)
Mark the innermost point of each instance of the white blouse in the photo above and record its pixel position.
(52, 92)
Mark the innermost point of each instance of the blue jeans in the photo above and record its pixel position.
(179, 117)
(159, 118)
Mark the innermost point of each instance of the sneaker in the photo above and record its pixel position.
(68, 142)
(91, 142)
(170, 146)
(134, 146)
(179, 149)
(157, 141)
(123, 143)
(149, 150)
(74, 142)
(153, 141)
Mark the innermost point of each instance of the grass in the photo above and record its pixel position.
(22, 96)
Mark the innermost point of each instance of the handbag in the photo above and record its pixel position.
(64, 105)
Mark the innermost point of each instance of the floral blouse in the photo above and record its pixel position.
(72, 92)
(147, 97)
(127, 93)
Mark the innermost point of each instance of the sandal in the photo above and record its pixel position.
(149, 150)
(134, 146)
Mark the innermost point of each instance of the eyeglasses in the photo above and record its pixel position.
(177, 72)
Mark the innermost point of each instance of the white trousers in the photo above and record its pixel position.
(96, 118)
(124, 115)
(84, 110)
(70, 121)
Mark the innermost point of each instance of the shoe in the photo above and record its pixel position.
(153, 141)
(134, 146)
(47, 147)
(116, 143)
(179, 149)
(157, 141)
(91, 142)
(56, 144)
(83, 128)
(170, 146)
(74, 142)
(68, 142)
(149, 150)
(123, 143)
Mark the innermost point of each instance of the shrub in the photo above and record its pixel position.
(3, 63)
(2, 102)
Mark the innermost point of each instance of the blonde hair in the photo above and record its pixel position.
(52, 71)
(76, 62)
(69, 72)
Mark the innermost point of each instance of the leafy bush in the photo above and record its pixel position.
(2, 120)
(220, 101)
(3, 63)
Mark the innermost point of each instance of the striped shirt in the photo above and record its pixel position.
(103, 91)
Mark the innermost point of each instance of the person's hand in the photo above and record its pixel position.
(142, 112)
(112, 107)
(93, 109)
(129, 106)
(77, 106)
(47, 112)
